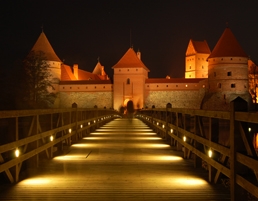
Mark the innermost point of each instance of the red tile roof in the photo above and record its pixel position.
(74, 82)
(130, 60)
(42, 44)
(201, 46)
(173, 80)
(66, 73)
(227, 46)
(85, 75)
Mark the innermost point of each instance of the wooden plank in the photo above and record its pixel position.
(251, 188)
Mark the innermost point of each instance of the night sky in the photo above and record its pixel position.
(82, 31)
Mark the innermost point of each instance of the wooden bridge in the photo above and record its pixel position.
(79, 154)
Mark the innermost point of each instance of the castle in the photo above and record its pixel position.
(212, 79)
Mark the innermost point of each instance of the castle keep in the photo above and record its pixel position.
(212, 79)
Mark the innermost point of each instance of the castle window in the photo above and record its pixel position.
(119, 70)
(157, 85)
(147, 85)
(221, 59)
(198, 58)
(189, 75)
(214, 74)
(190, 67)
(70, 87)
(202, 67)
(104, 87)
(176, 85)
(128, 81)
(78, 87)
(127, 69)
(136, 69)
(63, 87)
(219, 85)
(231, 59)
(95, 87)
(167, 85)
(230, 73)
(233, 85)
(86, 87)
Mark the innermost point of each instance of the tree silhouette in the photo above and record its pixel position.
(36, 82)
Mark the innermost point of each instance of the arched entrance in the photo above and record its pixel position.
(126, 101)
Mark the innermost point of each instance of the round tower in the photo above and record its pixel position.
(227, 73)
(43, 45)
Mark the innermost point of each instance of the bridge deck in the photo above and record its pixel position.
(123, 160)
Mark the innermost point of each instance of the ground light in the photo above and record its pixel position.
(17, 152)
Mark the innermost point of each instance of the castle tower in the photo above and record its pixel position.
(42, 44)
(227, 72)
(129, 80)
(196, 65)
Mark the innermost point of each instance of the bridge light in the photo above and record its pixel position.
(157, 123)
(249, 129)
(70, 130)
(17, 152)
(88, 123)
(81, 126)
(171, 130)
(184, 138)
(210, 153)
(163, 126)
(94, 121)
(51, 138)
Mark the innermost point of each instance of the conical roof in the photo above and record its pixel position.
(227, 46)
(130, 60)
(42, 44)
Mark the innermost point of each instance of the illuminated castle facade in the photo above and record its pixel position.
(212, 79)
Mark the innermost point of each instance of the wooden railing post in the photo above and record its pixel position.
(232, 152)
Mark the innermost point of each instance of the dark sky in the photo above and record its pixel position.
(82, 31)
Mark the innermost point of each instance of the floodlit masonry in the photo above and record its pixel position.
(212, 79)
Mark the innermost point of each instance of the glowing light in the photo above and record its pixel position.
(51, 138)
(186, 85)
(17, 152)
(88, 123)
(81, 126)
(94, 121)
(171, 130)
(171, 158)
(189, 181)
(163, 126)
(70, 157)
(70, 130)
(249, 129)
(157, 123)
(210, 153)
(184, 138)
(36, 181)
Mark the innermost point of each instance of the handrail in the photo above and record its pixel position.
(177, 124)
(35, 131)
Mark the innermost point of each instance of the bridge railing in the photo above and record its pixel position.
(28, 135)
(220, 141)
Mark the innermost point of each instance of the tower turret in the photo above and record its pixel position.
(42, 44)
(227, 72)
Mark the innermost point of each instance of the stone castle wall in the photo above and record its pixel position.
(86, 99)
(178, 99)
